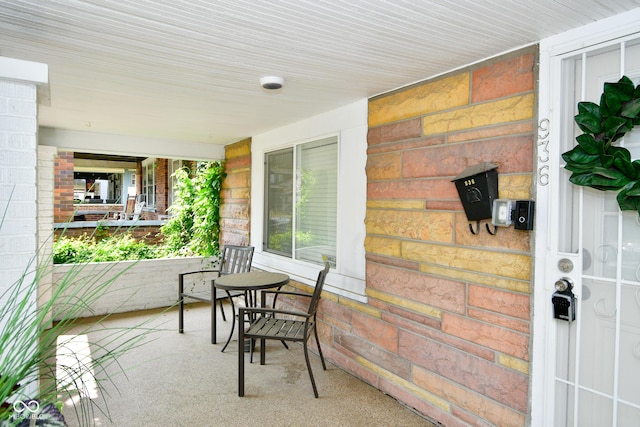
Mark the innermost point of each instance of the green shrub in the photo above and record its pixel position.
(122, 247)
(68, 250)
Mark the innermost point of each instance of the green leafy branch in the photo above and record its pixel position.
(194, 226)
(595, 162)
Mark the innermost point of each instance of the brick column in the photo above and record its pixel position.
(236, 195)
(162, 184)
(19, 82)
(63, 193)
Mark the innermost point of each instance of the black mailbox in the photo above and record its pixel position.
(478, 187)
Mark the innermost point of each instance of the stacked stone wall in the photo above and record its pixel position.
(236, 195)
(447, 326)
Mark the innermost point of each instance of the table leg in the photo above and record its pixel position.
(233, 321)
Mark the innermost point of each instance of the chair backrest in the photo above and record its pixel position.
(130, 205)
(315, 299)
(236, 259)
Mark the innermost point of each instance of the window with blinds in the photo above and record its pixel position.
(301, 213)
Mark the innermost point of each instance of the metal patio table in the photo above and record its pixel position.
(250, 283)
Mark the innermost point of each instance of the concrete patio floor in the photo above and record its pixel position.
(182, 380)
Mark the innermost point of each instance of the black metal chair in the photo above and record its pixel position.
(235, 259)
(267, 324)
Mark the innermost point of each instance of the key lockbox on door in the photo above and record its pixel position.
(564, 301)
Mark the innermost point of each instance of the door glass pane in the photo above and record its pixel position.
(630, 345)
(569, 198)
(597, 339)
(594, 410)
(563, 399)
(566, 346)
(627, 412)
(600, 244)
(631, 247)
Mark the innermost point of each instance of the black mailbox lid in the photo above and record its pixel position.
(477, 187)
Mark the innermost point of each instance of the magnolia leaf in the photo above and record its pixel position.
(582, 168)
(623, 89)
(589, 179)
(612, 126)
(579, 155)
(628, 203)
(631, 109)
(589, 144)
(608, 173)
(589, 118)
(610, 104)
(625, 166)
(632, 188)
(629, 197)
(620, 152)
(605, 178)
(607, 160)
(582, 179)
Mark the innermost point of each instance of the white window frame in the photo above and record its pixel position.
(313, 253)
(149, 189)
(349, 124)
(174, 165)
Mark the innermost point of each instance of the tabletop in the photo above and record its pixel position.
(252, 280)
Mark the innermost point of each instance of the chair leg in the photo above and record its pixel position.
(263, 351)
(180, 304)
(181, 315)
(315, 332)
(241, 360)
(306, 358)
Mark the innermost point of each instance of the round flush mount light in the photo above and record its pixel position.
(271, 82)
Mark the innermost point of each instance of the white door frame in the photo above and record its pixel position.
(548, 154)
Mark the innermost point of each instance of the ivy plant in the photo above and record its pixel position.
(194, 226)
(596, 162)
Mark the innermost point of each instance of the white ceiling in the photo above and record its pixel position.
(188, 70)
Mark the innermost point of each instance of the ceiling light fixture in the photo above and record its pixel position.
(271, 82)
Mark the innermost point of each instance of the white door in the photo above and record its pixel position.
(591, 374)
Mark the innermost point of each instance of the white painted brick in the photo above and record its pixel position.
(21, 141)
(17, 192)
(18, 227)
(17, 263)
(22, 175)
(17, 90)
(18, 128)
(22, 210)
(19, 124)
(20, 107)
(24, 158)
(147, 284)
